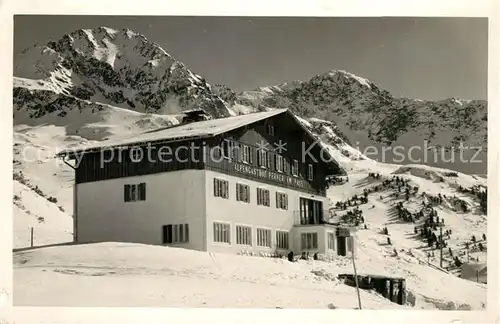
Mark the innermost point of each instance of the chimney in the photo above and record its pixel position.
(196, 115)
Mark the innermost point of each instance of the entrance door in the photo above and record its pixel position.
(341, 246)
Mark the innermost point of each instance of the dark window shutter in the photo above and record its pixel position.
(142, 191)
(169, 235)
(126, 193)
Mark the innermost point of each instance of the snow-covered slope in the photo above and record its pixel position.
(43, 190)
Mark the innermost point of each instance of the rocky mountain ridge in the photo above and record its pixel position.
(119, 68)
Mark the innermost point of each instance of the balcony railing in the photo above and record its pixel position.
(301, 217)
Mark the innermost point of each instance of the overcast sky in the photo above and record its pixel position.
(426, 58)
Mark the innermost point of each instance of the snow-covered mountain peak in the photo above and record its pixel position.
(121, 68)
(341, 74)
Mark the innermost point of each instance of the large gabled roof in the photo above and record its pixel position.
(190, 131)
(201, 129)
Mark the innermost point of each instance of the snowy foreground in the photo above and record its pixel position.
(120, 274)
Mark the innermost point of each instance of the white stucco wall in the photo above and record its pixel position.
(171, 198)
(250, 214)
(322, 232)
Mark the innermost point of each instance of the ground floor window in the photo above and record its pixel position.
(282, 240)
(222, 233)
(331, 241)
(309, 241)
(263, 237)
(243, 235)
(175, 233)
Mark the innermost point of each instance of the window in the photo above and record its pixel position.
(243, 235)
(263, 237)
(222, 233)
(221, 188)
(178, 233)
(286, 166)
(310, 173)
(295, 168)
(263, 197)
(230, 149)
(278, 163)
(136, 154)
(246, 154)
(242, 192)
(311, 211)
(134, 192)
(269, 160)
(226, 148)
(282, 240)
(309, 241)
(281, 200)
(331, 241)
(236, 151)
(262, 158)
(270, 130)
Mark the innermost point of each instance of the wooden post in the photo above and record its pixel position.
(355, 273)
(477, 275)
(31, 236)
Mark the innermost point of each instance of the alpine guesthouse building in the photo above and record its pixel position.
(252, 183)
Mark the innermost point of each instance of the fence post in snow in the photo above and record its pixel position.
(31, 236)
(355, 272)
(441, 243)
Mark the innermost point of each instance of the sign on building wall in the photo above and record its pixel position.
(266, 174)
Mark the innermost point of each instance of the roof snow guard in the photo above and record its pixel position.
(189, 131)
